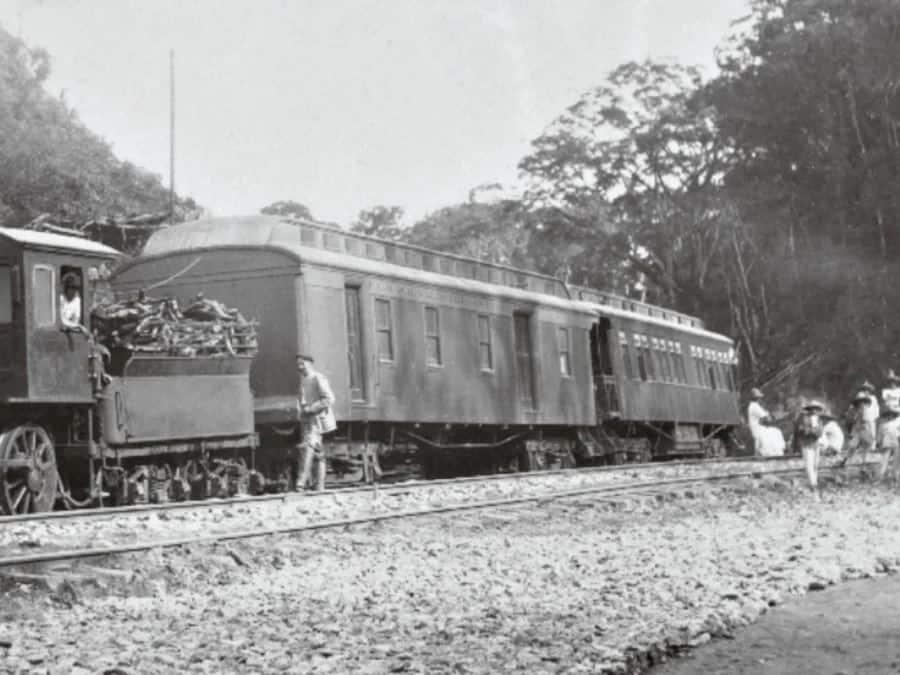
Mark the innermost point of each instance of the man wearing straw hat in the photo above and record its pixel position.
(808, 428)
(889, 427)
(863, 414)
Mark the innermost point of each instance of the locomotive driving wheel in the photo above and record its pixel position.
(29, 478)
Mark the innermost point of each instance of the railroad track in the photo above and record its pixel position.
(600, 492)
(216, 502)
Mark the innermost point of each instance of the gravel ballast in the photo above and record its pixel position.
(570, 586)
(292, 509)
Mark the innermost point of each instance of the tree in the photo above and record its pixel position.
(808, 102)
(288, 209)
(381, 221)
(50, 163)
(631, 172)
(491, 232)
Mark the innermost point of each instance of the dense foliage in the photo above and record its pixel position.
(50, 163)
(764, 200)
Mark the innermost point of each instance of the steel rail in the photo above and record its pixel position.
(133, 547)
(218, 502)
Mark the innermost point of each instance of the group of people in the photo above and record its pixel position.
(871, 426)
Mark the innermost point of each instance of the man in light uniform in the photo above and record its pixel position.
(889, 428)
(315, 402)
(863, 431)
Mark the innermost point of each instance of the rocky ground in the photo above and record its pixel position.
(296, 509)
(573, 586)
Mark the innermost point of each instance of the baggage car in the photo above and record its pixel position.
(462, 358)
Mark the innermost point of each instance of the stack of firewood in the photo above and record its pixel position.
(160, 326)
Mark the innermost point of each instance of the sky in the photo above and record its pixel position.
(346, 104)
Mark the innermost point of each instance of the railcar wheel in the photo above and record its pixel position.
(29, 486)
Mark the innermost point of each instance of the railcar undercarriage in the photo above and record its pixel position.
(42, 466)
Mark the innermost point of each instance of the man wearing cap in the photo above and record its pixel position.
(863, 414)
(768, 441)
(889, 427)
(315, 402)
(808, 428)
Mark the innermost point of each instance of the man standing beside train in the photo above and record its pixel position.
(317, 419)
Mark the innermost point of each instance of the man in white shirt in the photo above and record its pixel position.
(70, 304)
(889, 427)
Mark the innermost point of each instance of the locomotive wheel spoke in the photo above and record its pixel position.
(18, 499)
(32, 486)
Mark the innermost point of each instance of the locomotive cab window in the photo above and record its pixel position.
(565, 363)
(43, 295)
(71, 297)
(432, 337)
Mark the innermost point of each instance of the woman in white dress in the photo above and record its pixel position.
(768, 441)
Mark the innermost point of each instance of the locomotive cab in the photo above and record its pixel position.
(42, 362)
(45, 368)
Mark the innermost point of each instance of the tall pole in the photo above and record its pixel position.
(172, 135)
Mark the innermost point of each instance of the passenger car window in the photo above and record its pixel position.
(432, 337)
(43, 291)
(565, 364)
(626, 355)
(484, 342)
(383, 330)
(5, 294)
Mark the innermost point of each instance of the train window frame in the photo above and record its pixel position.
(651, 366)
(433, 337)
(700, 368)
(640, 361)
(668, 370)
(387, 330)
(629, 370)
(668, 352)
(51, 322)
(6, 293)
(564, 347)
(656, 358)
(485, 343)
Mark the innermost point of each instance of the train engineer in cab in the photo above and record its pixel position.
(317, 419)
(70, 304)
